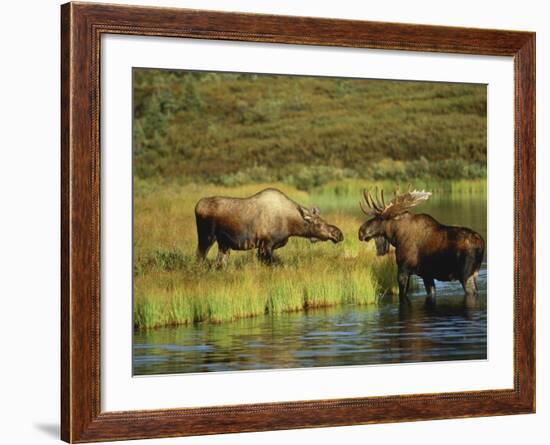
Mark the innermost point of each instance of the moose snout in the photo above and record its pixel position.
(337, 235)
(367, 232)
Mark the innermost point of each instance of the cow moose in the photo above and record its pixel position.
(423, 246)
(264, 221)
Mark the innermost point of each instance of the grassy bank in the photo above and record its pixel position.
(344, 195)
(171, 288)
(250, 289)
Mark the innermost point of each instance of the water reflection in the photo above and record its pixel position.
(331, 337)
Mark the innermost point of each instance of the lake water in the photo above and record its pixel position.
(338, 336)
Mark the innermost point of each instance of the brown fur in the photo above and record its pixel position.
(431, 250)
(263, 221)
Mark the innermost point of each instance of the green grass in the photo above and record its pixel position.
(245, 292)
(171, 288)
(345, 194)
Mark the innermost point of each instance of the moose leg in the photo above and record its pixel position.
(265, 253)
(206, 238)
(203, 248)
(469, 280)
(403, 280)
(223, 255)
(475, 282)
(430, 288)
(470, 290)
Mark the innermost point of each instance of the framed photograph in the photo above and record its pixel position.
(274, 222)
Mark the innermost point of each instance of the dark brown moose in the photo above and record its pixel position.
(423, 246)
(264, 221)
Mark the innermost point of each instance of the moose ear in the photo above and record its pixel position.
(305, 213)
(315, 211)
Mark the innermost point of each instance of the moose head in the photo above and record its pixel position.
(317, 228)
(380, 213)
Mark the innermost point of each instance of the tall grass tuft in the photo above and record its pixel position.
(360, 287)
(284, 296)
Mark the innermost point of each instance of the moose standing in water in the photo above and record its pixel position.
(423, 246)
(264, 221)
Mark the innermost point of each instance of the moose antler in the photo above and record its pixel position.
(400, 203)
(373, 206)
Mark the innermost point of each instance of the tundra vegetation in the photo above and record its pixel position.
(321, 141)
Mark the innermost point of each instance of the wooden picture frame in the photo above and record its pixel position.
(82, 25)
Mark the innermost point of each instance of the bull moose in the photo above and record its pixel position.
(264, 221)
(423, 246)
